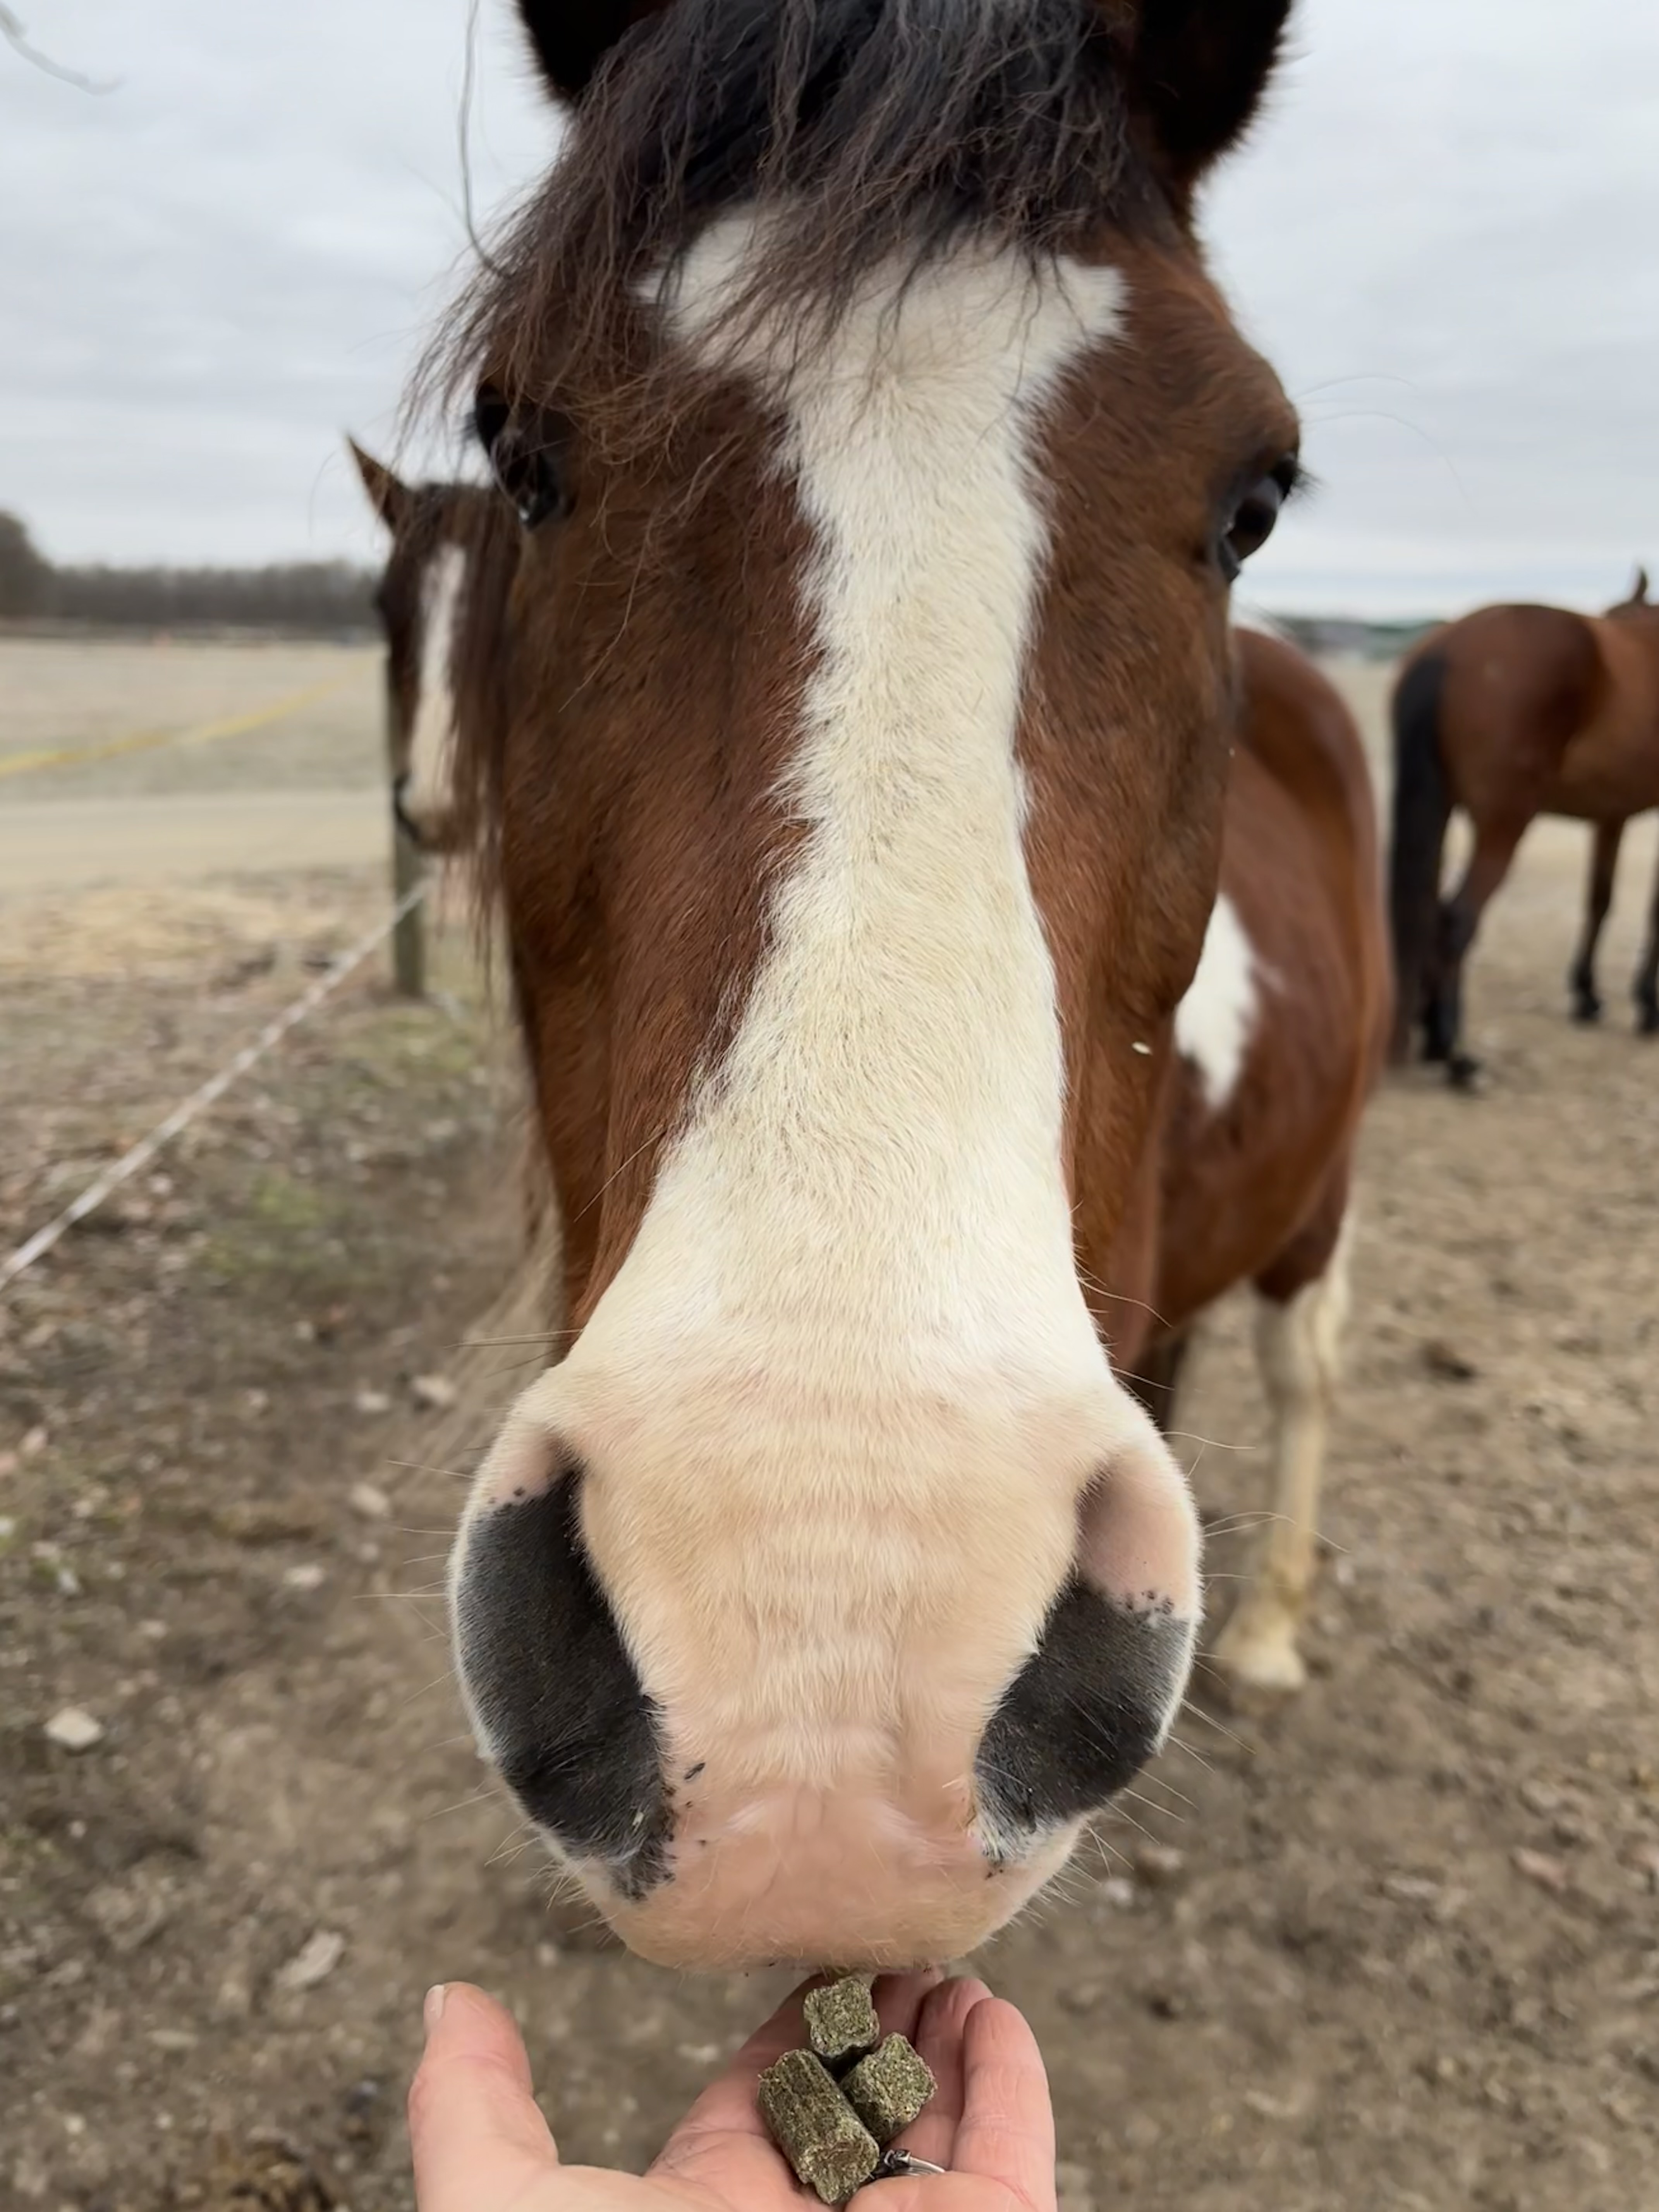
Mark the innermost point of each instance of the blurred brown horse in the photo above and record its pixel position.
(1513, 712)
(448, 542)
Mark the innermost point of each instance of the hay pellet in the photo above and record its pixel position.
(888, 2088)
(824, 2139)
(842, 2025)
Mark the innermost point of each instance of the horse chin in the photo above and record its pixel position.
(834, 1891)
(924, 1932)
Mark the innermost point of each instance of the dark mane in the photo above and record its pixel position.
(481, 675)
(863, 131)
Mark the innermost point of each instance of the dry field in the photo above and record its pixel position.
(1395, 1946)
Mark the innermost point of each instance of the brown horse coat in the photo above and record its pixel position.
(856, 801)
(1280, 1040)
(1512, 713)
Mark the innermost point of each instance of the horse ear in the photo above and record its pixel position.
(391, 495)
(1197, 69)
(1638, 590)
(572, 38)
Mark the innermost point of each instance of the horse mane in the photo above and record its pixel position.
(481, 675)
(860, 134)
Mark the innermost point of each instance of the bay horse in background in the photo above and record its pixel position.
(854, 760)
(1511, 712)
(447, 541)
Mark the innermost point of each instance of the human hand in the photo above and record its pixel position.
(481, 2144)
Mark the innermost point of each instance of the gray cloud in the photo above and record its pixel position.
(1442, 234)
(215, 271)
(1445, 236)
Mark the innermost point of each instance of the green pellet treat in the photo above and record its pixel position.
(842, 2025)
(816, 2129)
(888, 2089)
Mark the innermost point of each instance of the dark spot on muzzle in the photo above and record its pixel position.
(1082, 1715)
(556, 1692)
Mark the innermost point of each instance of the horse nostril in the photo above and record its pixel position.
(1085, 1712)
(555, 1693)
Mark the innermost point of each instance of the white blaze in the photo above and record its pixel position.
(1216, 1020)
(433, 738)
(838, 1405)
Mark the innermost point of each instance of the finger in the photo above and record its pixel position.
(727, 2107)
(473, 2125)
(722, 2144)
(901, 1999)
(1006, 2132)
(938, 2037)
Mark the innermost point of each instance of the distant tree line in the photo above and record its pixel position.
(1376, 640)
(300, 595)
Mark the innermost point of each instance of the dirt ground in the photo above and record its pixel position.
(164, 760)
(89, 697)
(1394, 1946)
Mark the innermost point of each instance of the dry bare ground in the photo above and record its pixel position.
(1396, 1945)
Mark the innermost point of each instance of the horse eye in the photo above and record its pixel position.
(1252, 519)
(524, 458)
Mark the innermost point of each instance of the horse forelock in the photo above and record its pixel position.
(860, 132)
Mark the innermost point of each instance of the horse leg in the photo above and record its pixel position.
(1647, 980)
(1299, 1325)
(1604, 859)
(1495, 846)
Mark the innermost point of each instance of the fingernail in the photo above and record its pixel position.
(433, 2011)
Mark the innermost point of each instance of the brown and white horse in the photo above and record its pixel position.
(448, 540)
(1513, 712)
(857, 764)
(1280, 1040)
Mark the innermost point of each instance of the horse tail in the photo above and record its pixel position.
(1422, 808)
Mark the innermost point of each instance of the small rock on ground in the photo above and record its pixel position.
(74, 1729)
(314, 1962)
(1538, 1866)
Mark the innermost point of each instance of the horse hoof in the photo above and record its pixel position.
(1268, 1665)
(1587, 1012)
(1647, 1018)
(1464, 1071)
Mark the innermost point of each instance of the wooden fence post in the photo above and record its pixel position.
(409, 937)
(408, 866)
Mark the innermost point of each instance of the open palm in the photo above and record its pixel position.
(481, 2144)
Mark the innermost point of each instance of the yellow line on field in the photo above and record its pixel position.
(233, 725)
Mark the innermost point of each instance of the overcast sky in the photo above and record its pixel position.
(1446, 234)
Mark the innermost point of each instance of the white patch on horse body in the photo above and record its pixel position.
(432, 740)
(1216, 1020)
(846, 1371)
